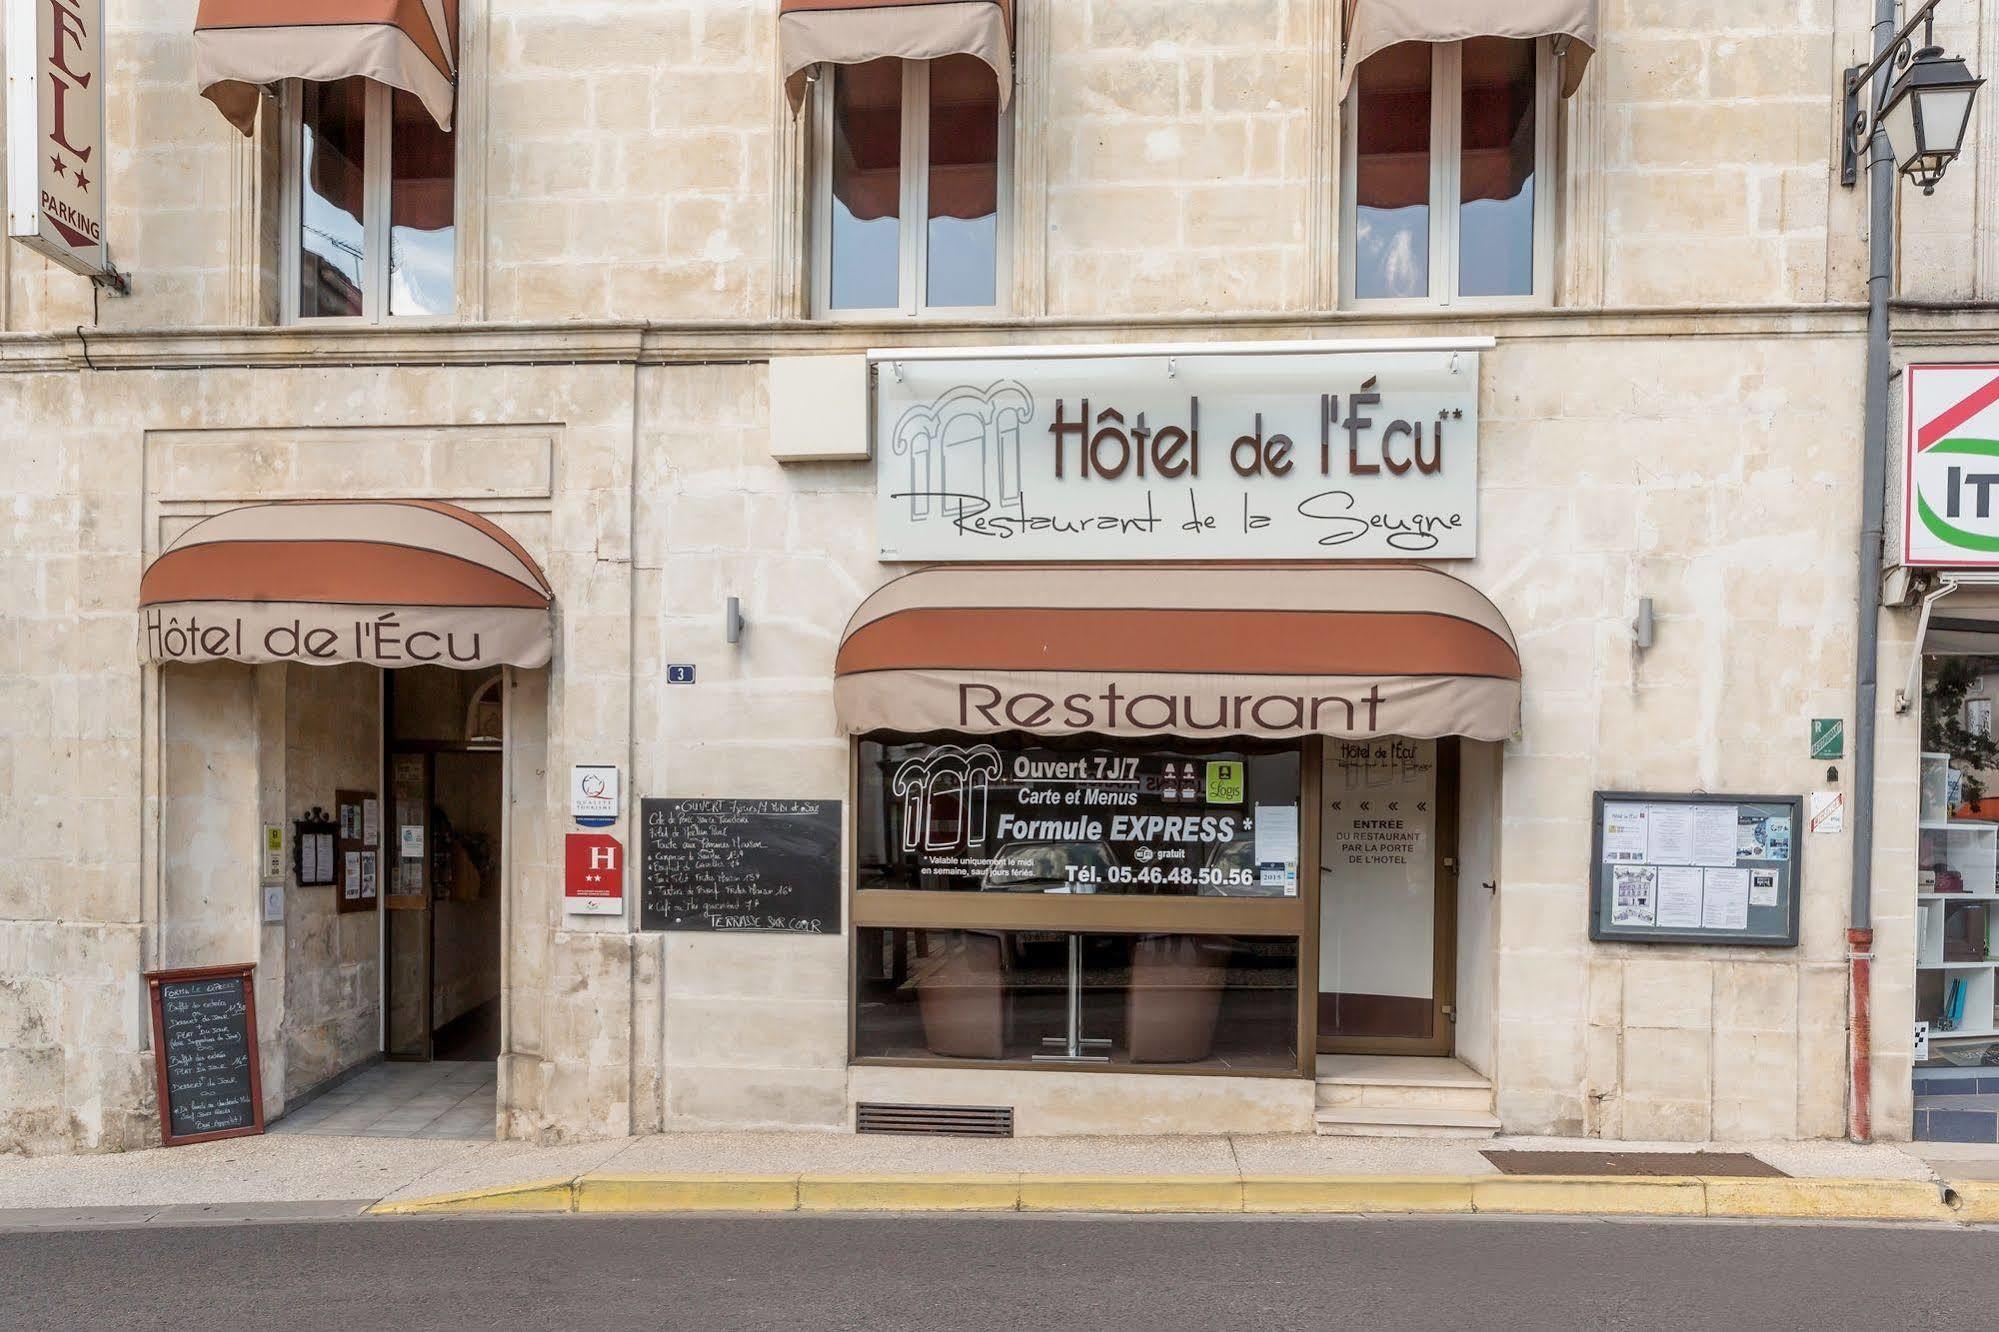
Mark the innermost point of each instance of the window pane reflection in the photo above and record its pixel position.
(867, 185)
(422, 238)
(964, 182)
(333, 130)
(1212, 1001)
(1392, 173)
(1496, 209)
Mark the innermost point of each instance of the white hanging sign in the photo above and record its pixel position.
(56, 155)
(1206, 453)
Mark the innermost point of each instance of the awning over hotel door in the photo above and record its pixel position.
(389, 583)
(240, 45)
(1278, 652)
(853, 32)
(1376, 25)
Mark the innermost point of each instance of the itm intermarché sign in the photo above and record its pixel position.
(1165, 453)
(1950, 466)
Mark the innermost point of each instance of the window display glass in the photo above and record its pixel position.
(1196, 1000)
(1012, 815)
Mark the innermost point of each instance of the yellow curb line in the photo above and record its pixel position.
(544, 1195)
(1973, 1202)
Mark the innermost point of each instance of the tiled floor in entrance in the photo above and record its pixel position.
(437, 1100)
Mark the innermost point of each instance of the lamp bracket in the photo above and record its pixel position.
(1858, 124)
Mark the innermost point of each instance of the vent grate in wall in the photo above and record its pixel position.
(957, 1121)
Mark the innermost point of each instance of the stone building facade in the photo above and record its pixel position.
(1676, 416)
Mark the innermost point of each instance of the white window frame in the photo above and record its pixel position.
(913, 249)
(1446, 138)
(376, 181)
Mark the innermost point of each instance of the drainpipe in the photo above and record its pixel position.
(1873, 482)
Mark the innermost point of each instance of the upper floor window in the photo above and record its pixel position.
(369, 231)
(1448, 162)
(912, 165)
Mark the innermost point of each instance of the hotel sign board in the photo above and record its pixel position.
(1950, 466)
(1155, 453)
(55, 131)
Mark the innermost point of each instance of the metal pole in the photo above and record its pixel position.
(1873, 481)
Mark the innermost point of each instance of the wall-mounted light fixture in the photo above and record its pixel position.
(1641, 628)
(732, 619)
(1924, 112)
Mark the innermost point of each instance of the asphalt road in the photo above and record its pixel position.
(1064, 1274)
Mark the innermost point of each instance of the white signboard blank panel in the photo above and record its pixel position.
(1203, 455)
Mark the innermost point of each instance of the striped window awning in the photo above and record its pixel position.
(1376, 25)
(389, 583)
(853, 32)
(242, 45)
(1277, 652)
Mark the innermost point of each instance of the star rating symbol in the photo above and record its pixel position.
(83, 182)
(57, 165)
(1422, 807)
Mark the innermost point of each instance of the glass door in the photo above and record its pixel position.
(1387, 893)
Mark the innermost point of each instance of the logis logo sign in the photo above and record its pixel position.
(1951, 466)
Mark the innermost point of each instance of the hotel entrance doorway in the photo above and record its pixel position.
(1387, 896)
(442, 906)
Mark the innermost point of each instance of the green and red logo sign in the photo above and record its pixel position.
(1950, 468)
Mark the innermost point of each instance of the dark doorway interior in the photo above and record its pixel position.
(443, 898)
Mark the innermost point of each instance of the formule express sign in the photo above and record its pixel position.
(1206, 453)
(55, 130)
(1950, 466)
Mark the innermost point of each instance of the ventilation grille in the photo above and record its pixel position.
(956, 1121)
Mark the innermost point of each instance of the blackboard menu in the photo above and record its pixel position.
(205, 1053)
(732, 865)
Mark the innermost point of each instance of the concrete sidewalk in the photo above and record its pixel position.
(282, 1175)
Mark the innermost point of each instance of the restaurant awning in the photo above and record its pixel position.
(1376, 25)
(241, 45)
(853, 32)
(387, 582)
(1345, 650)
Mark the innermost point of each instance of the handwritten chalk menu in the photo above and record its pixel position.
(205, 1053)
(730, 865)
(1712, 869)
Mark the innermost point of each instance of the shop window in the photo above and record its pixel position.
(910, 193)
(1010, 815)
(1448, 169)
(1193, 1000)
(370, 231)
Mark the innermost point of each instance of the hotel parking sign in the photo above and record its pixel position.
(1950, 466)
(55, 131)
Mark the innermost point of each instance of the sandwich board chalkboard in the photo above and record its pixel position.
(740, 865)
(205, 1053)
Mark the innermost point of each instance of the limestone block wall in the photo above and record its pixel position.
(1179, 143)
(1697, 472)
(636, 160)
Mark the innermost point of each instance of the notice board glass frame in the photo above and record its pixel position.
(1767, 925)
(156, 981)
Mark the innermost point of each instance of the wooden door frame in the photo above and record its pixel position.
(1444, 942)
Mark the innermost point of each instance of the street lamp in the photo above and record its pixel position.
(1924, 112)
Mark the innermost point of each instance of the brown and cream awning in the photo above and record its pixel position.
(240, 45)
(1376, 25)
(386, 582)
(853, 32)
(1199, 650)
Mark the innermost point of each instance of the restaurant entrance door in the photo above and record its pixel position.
(1388, 895)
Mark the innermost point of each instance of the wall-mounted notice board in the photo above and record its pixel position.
(205, 1053)
(1702, 869)
(733, 865)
